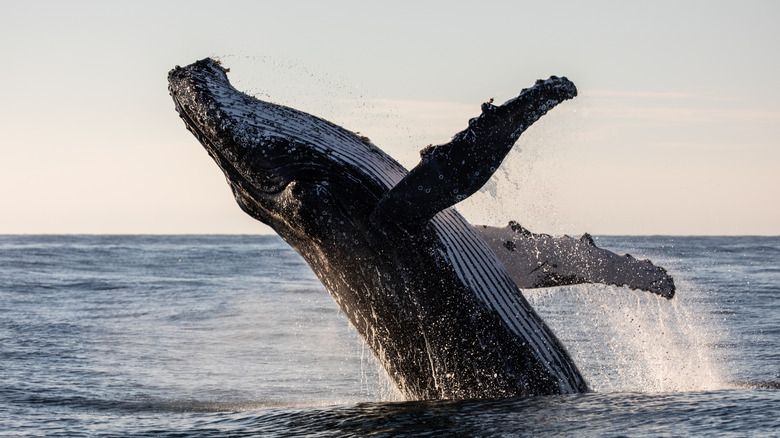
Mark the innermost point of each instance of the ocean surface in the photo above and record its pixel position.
(234, 336)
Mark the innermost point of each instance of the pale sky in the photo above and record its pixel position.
(676, 129)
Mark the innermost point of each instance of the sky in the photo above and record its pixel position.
(676, 129)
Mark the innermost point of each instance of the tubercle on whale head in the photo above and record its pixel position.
(210, 108)
(259, 167)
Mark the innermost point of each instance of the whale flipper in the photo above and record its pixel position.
(541, 260)
(452, 172)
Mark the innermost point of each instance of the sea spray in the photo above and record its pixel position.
(632, 341)
(374, 380)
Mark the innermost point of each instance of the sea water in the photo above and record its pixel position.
(234, 335)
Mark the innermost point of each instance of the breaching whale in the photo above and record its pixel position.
(420, 285)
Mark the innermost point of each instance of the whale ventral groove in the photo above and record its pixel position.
(423, 288)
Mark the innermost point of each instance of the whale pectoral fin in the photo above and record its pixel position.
(454, 171)
(540, 260)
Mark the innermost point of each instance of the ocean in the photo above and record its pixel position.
(234, 336)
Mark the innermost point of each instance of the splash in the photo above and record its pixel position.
(374, 381)
(632, 341)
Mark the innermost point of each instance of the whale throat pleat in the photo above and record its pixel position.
(476, 265)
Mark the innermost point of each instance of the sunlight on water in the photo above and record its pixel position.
(626, 341)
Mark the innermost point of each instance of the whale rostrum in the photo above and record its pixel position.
(420, 285)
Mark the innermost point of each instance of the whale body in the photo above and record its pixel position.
(418, 283)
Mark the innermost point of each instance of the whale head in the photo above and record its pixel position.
(293, 171)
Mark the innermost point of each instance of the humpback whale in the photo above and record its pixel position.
(419, 284)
